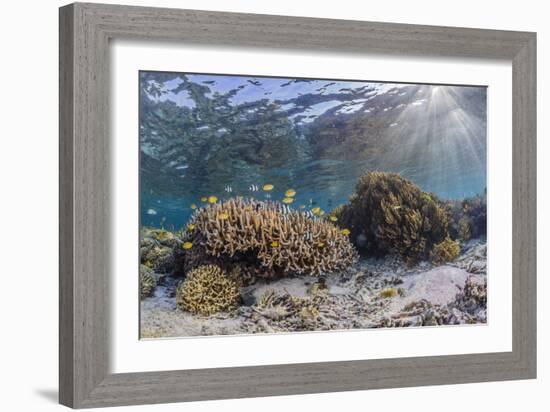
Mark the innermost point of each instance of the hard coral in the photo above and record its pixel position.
(206, 291)
(147, 282)
(390, 214)
(469, 217)
(266, 239)
(445, 251)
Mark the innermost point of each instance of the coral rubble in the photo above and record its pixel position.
(206, 291)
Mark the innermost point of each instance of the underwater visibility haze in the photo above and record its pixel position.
(223, 136)
(275, 205)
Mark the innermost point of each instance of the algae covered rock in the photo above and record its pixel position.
(156, 249)
(445, 251)
(266, 239)
(206, 291)
(388, 214)
(147, 282)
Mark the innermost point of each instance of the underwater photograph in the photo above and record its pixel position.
(278, 205)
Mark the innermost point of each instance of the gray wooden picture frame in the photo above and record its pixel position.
(85, 32)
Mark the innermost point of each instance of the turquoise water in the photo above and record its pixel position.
(213, 135)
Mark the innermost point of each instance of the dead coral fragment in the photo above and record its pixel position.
(278, 241)
(147, 282)
(446, 251)
(390, 214)
(206, 291)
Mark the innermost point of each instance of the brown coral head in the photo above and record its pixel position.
(390, 214)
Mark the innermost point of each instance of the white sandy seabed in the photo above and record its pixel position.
(373, 293)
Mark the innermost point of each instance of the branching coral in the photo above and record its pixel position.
(389, 214)
(206, 291)
(266, 238)
(445, 251)
(147, 282)
(469, 217)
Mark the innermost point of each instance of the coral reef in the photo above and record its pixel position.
(147, 282)
(389, 214)
(156, 249)
(445, 251)
(469, 217)
(265, 239)
(206, 291)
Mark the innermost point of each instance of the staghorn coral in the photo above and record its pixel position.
(206, 291)
(266, 239)
(147, 282)
(445, 251)
(389, 214)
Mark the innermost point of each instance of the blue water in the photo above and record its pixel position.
(203, 134)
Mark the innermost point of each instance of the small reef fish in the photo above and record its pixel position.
(333, 218)
(361, 239)
(288, 200)
(204, 199)
(193, 206)
(397, 207)
(187, 245)
(190, 226)
(302, 206)
(346, 232)
(223, 216)
(274, 244)
(321, 213)
(316, 210)
(212, 199)
(151, 212)
(253, 188)
(268, 187)
(228, 189)
(320, 244)
(290, 193)
(307, 235)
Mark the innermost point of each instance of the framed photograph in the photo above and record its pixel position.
(256, 205)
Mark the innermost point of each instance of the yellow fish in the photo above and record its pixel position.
(345, 232)
(193, 206)
(315, 210)
(333, 218)
(268, 187)
(302, 206)
(275, 244)
(290, 193)
(190, 226)
(212, 199)
(320, 244)
(204, 199)
(187, 245)
(223, 216)
(322, 213)
(288, 200)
